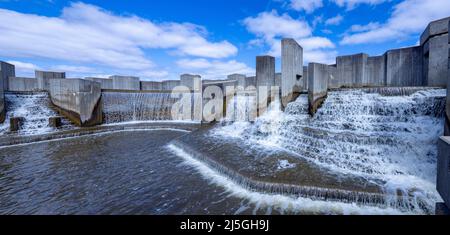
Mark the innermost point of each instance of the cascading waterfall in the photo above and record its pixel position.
(129, 107)
(35, 108)
(388, 139)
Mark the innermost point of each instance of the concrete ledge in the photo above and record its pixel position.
(78, 100)
(443, 169)
(318, 75)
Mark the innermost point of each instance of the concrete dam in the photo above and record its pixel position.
(361, 136)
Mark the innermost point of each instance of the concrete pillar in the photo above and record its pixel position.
(44, 77)
(292, 80)
(443, 169)
(126, 83)
(404, 67)
(265, 80)
(351, 70)
(434, 41)
(7, 70)
(190, 81)
(318, 75)
(16, 123)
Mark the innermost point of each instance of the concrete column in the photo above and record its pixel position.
(292, 80)
(44, 77)
(126, 83)
(265, 80)
(318, 75)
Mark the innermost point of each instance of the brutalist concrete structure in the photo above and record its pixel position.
(351, 70)
(434, 41)
(151, 86)
(126, 83)
(404, 67)
(6, 70)
(23, 84)
(375, 72)
(292, 80)
(105, 83)
(191, 81)
(318, 75)
(44, 77)
(78, 100)
(265, 80)
(241, 79)
(170, 84)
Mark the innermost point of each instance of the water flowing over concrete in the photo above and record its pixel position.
(387, 140)
(128, 106)
(35, 108)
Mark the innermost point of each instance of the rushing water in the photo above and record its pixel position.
(388, 139)
(35, 108)
(127, 107)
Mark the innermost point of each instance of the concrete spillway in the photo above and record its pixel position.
(36, 109)
(361, 147)
(129, 107)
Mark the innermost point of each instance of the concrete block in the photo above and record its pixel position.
(151, 86)
(16, 123)
(351, 70)
(333, 82)
(126, 83)
(44, 77)
(305, 77)
(241, 79)
(292, 80)
(265, 80)
(250, 81)
(105, 83)
(404, 67)
(78, 100)
(437, 27)
(193, 82)
(170, 84)
(436, 60)
(23, 84)
(375, 72)
(6, 70)
(443, 169)
(318, 75)
(54, 122)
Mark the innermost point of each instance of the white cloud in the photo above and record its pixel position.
(214, 69)
(308, 6)
(334, 20)
(270, 27)
(351, 4)
(88, 34)
(409, 17)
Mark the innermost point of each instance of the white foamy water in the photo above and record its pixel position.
(36, 111)
(390, 139)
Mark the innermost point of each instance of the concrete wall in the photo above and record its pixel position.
(305, 76)
(126, 83)
(434, 41)
(318, 75)
(333, 81)
(23, 84)
(193, 82)
(265, 80)
(351, 70)
(151, 86)
(278, 79)
(375, 72)
(105, 83)
(44, 78)
(241, 79)
(292, 80)
(78, 100)
(170, 84)
(6, 70)
(443, 169)
(404, 67)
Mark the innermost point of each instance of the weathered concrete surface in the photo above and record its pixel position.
(404, 67)
(193, 82)
(305, 77)
(16, 123)
(170, 84)
(265, 80)
(318, 75)
(23, 84)
(443, 169)
(292, 80)
(333, 81)
(151, 86)
(351, 70)
(241, 79)
(434, 28)
(435, 53)
(126, 83)
(6, 70)
(78, 100)
(375, 72)
(278, 78)
(44, 77)
(105, 83)
(251, 81)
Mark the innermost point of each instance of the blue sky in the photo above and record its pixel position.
(162, 39)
